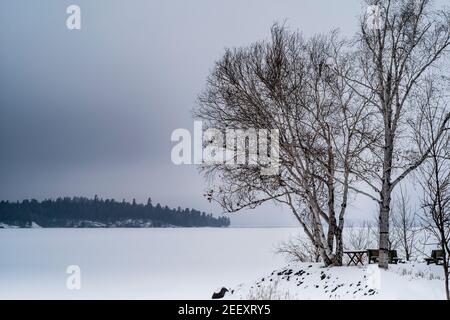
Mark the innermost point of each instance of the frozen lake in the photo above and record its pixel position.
(172, 263)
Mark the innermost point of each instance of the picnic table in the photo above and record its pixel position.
(356, 257)
(436, 257)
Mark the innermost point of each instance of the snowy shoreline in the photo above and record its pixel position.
(183, 263)
(311, 281)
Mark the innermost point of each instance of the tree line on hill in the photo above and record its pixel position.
(81, 211)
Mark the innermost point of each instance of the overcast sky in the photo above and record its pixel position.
(91, 112)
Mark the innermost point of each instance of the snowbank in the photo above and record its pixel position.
(312, 281)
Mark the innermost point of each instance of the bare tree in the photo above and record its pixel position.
(299, 249)
(360, 237)
(434, 177)
(393, 60)
(290, 85)
(404, 225)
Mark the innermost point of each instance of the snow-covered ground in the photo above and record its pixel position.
(189, 263)
(312, 281)
(166, 263)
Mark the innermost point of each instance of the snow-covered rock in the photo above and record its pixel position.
(7, 226)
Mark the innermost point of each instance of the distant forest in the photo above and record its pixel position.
(84, 212)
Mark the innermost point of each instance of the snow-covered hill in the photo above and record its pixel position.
(312, 281)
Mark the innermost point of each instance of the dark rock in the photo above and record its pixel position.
(220, 294)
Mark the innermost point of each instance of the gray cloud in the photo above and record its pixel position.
(91, 111)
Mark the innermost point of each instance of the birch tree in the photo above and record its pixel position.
(291, 85)
(395, 56)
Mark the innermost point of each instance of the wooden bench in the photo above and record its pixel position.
(373, 256)
(436, 257)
